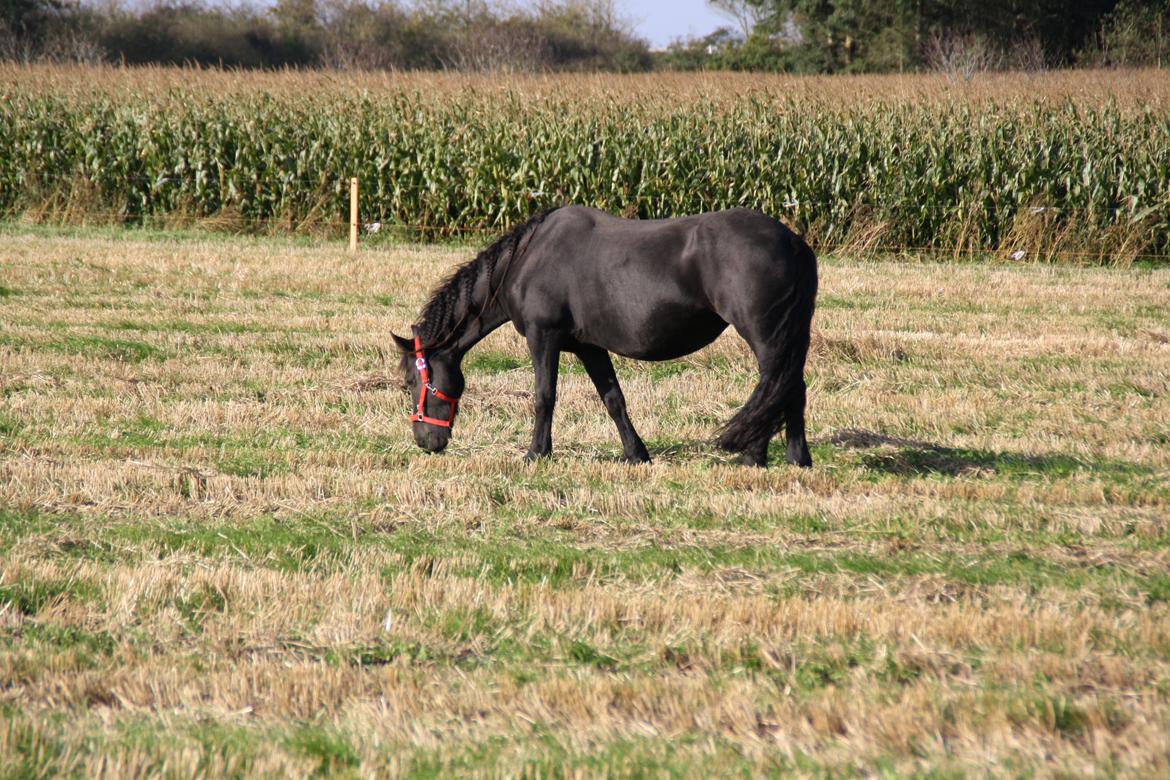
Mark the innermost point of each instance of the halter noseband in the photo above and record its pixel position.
(424, 372)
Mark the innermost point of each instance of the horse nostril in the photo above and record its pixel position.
(430, 442)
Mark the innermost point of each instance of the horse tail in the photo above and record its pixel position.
(781, 366)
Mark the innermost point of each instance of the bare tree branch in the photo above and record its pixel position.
(744, 13)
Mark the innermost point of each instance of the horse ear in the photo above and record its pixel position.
(406, 345)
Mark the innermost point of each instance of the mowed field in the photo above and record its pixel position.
(221, 552)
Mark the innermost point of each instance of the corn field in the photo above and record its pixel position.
(1016, 177)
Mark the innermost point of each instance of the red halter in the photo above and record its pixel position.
(424, 372)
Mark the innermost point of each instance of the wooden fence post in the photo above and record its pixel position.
(353, 214)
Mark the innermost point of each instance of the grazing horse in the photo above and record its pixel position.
(574, 279)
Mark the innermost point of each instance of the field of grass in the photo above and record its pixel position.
(1068, 167)
(221, 553)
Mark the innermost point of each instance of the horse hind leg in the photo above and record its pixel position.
(797, 444)
(778, 400)
(751, 429)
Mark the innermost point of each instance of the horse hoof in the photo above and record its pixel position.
(532, 457)
(637, 458)
(802, 459)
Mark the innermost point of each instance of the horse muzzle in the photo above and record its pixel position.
(431, 438)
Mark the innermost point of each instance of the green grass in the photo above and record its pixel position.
(323, 541)
(123, 350)
(493, 363)
(30, 596)
(332, 751)
(10, 426)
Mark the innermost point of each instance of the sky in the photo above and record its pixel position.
(661, 21)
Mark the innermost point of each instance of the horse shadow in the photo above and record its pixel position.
(913, 457)
(904, 457)
(679, 450)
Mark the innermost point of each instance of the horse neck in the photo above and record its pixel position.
(484, 313)
(484, 322)
(484, 308)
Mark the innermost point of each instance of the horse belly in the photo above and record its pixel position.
(666, 334)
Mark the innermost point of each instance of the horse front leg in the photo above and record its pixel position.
(544, 347)
(600, 369)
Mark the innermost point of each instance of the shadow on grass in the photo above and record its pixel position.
(911, 457)
(700, 451)
(677, 449)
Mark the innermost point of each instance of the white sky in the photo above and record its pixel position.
(661, 21)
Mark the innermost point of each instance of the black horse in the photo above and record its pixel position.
(578, 280)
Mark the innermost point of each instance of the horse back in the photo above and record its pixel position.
(652, 289)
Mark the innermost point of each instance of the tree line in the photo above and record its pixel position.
(957, 36)
(465, 35)
(801, 36)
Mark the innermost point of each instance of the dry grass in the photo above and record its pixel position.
(1130, 87)
(210, 507)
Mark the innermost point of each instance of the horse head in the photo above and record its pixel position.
(435, 382)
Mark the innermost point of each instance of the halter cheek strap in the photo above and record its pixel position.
(424, 372)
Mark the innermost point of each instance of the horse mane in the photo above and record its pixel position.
(445, 314)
